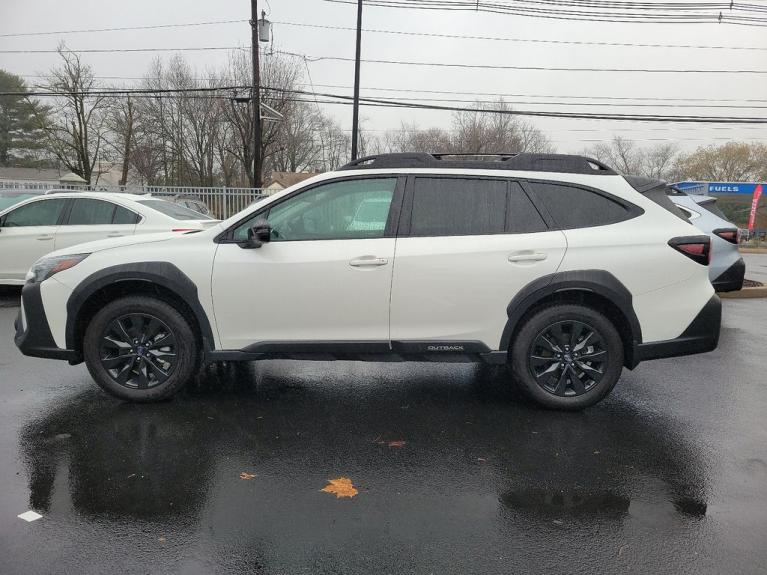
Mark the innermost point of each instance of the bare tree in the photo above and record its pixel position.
(335, 145)
(298, 147)
(486, 131)
(659, 161)
(620, 154)
(77, 127)
(120, 120)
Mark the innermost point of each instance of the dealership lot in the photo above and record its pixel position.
(454, 473)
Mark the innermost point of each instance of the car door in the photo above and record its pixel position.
(27, 233)
(321, 279)
(92, 219)
(466, 247)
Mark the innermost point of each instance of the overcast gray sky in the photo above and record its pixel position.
(568, 135)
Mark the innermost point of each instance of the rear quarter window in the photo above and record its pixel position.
(574, 207)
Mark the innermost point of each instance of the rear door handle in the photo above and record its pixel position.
(115, 235)
(527, 257)
(368, 262)
(45, 238)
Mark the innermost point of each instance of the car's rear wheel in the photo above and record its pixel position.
(140, 349)
(567, 357)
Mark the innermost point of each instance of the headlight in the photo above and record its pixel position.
(47, 267)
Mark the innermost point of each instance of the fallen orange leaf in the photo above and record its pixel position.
(246, 475)
(342, 487)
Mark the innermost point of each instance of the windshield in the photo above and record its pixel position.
(174, 210)
(11, 199)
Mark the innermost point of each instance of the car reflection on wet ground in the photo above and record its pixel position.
(455, 472)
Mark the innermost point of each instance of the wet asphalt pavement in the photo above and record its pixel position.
(756, 266)
(668, 475)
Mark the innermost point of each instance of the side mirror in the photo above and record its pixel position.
(258, 235)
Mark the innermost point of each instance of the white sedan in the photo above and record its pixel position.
(37, 226)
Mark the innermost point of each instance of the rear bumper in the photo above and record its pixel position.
(701, 335)
(36, 340)
(731, 279)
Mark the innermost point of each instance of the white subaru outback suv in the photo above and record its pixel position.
(553, 264)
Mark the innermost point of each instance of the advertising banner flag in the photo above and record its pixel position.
(754, 204)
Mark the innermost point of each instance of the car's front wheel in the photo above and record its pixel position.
(140, 349)
(567, 356)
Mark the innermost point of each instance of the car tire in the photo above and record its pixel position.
(140, 349)
(567, 357)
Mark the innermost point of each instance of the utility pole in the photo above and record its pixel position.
(356, 107)
(255, 95)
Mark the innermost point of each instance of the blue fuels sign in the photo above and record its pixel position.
(721, 187)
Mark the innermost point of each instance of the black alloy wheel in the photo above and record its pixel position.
(568, 358)
(138, 351)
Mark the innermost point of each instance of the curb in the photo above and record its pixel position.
(753, 250)
(745, 293)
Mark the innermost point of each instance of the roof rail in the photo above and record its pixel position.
(523, 161)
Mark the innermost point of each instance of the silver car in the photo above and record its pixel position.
(727, 267)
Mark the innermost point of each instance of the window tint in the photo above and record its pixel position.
(354, 209)
(573, 207)
(124, 216)
(40, 213)
(458, 207)
(174, 211)
(523, 217)
(86, 212)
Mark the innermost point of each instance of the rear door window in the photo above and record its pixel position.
(522, 216)
(87, 212)
(458, 207)
(575, 207)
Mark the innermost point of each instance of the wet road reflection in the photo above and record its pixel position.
(477, 462)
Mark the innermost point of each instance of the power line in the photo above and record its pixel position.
(407, 62)
(525, 40)
(464, 93)
(531, 68)
(393, 32)
(118, 50)
(558, 12)
(122, 28)
(377, 102)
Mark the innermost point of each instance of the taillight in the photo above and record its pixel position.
(697, 248)
(729, 234)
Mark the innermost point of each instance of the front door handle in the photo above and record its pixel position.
(368, 262)
(45, 238)
(115, 235)
(527, 257)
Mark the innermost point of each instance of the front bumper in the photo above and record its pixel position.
(731, 279)
(35, 338)
(701, 335)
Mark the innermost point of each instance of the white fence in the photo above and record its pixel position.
(222, 202)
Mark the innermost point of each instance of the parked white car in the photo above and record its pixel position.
(555, 265)
(59, 220)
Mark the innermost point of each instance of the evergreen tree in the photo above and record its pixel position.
(21, 141)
